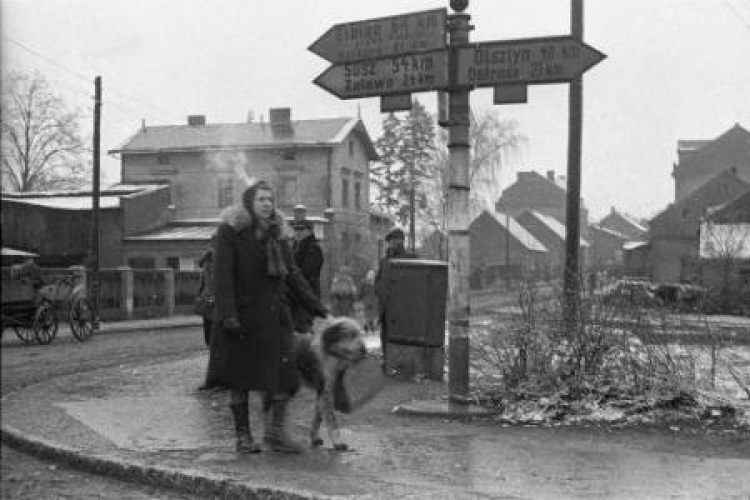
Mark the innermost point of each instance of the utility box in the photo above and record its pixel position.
(417, 291)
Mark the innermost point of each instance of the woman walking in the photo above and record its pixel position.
(254, 274)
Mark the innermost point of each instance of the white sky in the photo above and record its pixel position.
(676, 69)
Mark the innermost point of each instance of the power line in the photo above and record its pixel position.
(737, 14)
(122, 97)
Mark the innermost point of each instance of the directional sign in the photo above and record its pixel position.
(390, 75)
(383, 37)
(532, 60)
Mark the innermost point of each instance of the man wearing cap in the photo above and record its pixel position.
(396, 250)
(309, 258)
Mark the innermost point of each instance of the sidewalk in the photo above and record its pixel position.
(147, 423)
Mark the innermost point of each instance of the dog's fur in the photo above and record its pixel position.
(322, 361)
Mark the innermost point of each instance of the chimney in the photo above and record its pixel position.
(551, 175)
(250, 116)
(281, 121)
(143, 125)
(196, 120)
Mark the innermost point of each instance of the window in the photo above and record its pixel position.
(345, 193)
(174, 263)
(162, 159)
(358, 196)
(289, 154)
(288, 192)
(142, 262)
(225, 194)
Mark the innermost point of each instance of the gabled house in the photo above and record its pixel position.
(551, 233)
(607, 253)
(544, 194)
(674, 233)
(698, 161)
(626, 225)
(321, 164)
(500, 248)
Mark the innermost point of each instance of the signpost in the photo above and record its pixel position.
(383, 37)
(387, 76)
(392, 57)
(533, 60)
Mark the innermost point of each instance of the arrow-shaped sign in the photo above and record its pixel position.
(532, 60)
(390, 75)
(383, 37)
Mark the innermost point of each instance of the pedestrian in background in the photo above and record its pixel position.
(254, 270)
(396, 250)
(205, 302)
(343, 293)
(369, 301)
(309, 258)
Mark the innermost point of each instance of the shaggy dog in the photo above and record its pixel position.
(322, 361)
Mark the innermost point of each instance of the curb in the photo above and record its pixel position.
(136, 471)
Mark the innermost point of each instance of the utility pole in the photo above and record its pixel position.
(571, 285)
(458, 210)
(95, 193)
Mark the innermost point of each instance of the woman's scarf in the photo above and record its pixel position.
(271, 232)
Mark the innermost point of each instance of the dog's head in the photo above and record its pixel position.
(343, 339)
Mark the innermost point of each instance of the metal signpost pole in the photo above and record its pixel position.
(571, 285)
(458, 214)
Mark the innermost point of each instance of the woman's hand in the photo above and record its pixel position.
(232, 325)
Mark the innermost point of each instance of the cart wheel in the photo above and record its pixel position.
(25, 332)
(45, 323)
(81, 319)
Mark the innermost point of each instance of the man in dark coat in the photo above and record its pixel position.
(395, 240)
(254, 271)
(309, 258)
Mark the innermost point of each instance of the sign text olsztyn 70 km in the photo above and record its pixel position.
(532, 60)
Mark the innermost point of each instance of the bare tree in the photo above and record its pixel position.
(725, 244)
(41, 144)
(493, 142)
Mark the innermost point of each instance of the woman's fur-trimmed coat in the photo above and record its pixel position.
(259, 358)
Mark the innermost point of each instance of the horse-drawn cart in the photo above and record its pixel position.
(31, 320)
(31, 308)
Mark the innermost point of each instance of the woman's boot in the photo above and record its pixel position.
(276, 436)
(245, 443)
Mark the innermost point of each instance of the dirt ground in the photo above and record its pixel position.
(28, 477)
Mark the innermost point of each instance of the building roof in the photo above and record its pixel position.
(554, 225)
(721, 184)
(697, 152)
(517, 231)
(65, 202)
(79, 200)
(629, 219)
(734, 211)
(12, 252)
(634, 245)
(609, 232)
(310, 133)
(179, 231)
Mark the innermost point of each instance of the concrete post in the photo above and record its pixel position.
(126, 291)
(168, 291)
(458, 217)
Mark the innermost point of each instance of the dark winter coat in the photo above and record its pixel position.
(260, 358)
(309, 258)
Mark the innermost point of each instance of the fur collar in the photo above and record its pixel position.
(239, 218)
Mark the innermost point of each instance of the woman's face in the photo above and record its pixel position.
(263, 203)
